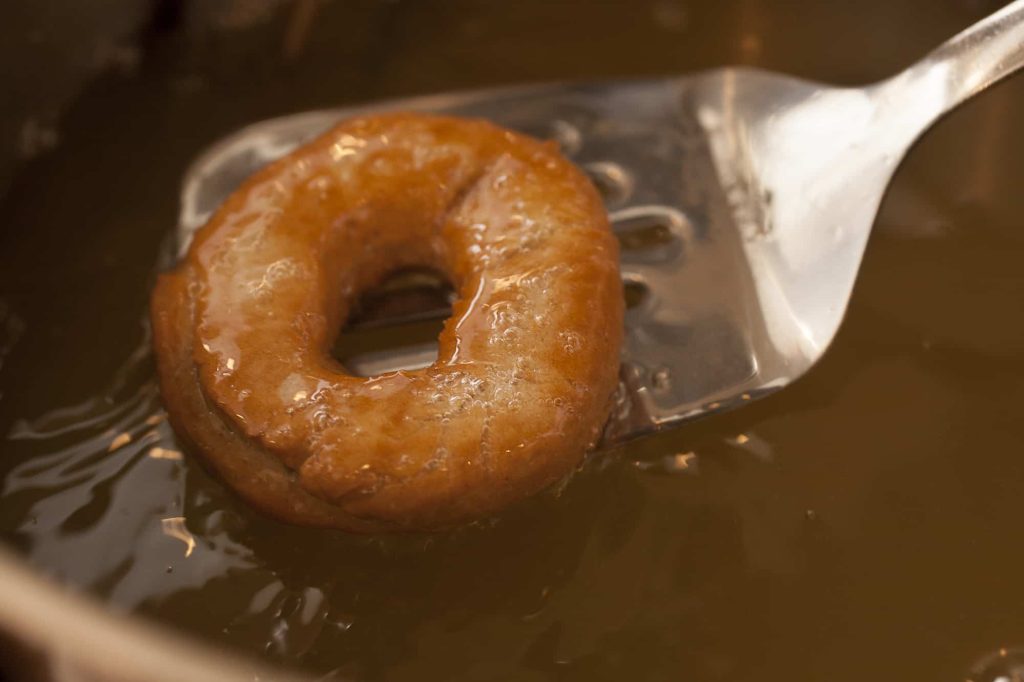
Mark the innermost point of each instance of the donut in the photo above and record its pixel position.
(527, 363)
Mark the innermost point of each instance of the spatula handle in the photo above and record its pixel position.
(960, 68)
(981, 55)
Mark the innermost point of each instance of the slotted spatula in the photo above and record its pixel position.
(743, 200)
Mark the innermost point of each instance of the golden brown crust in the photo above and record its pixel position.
(527, 361)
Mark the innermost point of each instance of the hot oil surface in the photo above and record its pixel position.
(862, 524)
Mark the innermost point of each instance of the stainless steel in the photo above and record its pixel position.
(763, 189)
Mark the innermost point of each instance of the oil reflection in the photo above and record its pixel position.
(150, 531)
(1005, 664)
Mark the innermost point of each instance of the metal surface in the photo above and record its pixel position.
(762, 189)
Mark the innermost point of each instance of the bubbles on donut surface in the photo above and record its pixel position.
(381, 164)
(195, 288)
(484, 455)
(502, 316)
(453, 392)
(541, 279)
(504, 324)
(438, 460)
(514, 244)
(508, 388)
(321, 185)
(276, 272)
(252, 230)
(571, 341)
(322, 418)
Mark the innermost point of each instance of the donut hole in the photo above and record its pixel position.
(395, 325)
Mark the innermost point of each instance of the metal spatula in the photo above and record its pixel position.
(743, 200)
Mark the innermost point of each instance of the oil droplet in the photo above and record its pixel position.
(120, 441)
(342, 622)
(678, 463)
(681, 461)
(753, 444)
(174, 527)
(538, 609)
(164, 453)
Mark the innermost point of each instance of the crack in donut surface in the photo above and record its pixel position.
(526, 365)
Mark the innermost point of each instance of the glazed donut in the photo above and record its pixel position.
(527, 362)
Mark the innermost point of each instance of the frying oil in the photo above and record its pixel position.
(862, 524)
